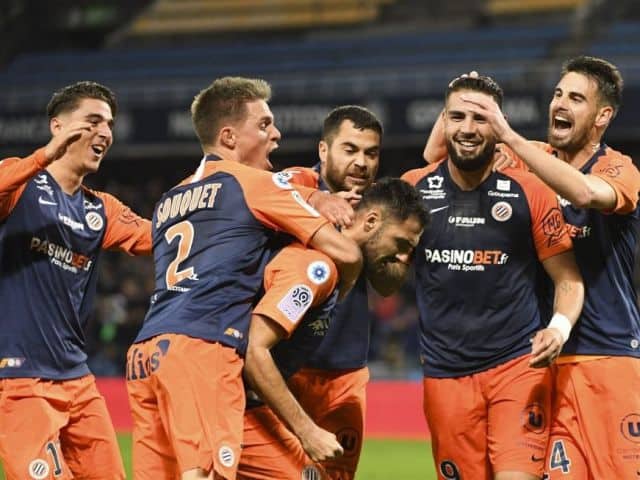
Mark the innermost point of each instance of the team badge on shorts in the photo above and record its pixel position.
(501, 211)
(38, 469)
(630, 427)
(226, 456)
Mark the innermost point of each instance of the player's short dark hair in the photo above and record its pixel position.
(605, 74)
(481, 83)
(68, 98)
(399, 199)
(225, 101)
(362, 118)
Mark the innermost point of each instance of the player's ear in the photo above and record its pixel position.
(604, 116)
(55, 125)
(372, 220)
(323, 150)
(228, 137)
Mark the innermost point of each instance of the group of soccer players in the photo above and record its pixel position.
(251, 361)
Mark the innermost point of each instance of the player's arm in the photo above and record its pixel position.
(261, 371)
(278, 205)
(567, 304)
(582, 190)
(436, 147)
(125, 230)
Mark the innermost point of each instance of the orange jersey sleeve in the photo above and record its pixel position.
(125, 230)
(619, 171)
(550, 234)
(14, 175)
(280, 206)
(414, 176)
(304, 177)
(295, 280)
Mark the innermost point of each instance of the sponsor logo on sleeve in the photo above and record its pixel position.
(281, 179)
(552, 226)
(296, 302)
(318, 272)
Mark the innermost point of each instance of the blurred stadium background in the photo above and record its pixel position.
(394, 56)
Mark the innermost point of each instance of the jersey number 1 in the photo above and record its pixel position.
(183, 230)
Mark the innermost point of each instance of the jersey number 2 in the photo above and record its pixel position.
(183, 230)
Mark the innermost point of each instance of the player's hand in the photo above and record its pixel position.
(545, 347)
(487, 108)
(69, 134)
(471, 74)
(502, 159)
(321, 445)
(350, 196)
(336, 209)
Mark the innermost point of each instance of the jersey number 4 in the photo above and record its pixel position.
(184, 231)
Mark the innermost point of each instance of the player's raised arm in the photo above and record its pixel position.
(582, 190)
(436, 147)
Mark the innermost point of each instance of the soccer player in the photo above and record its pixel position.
(210, 235)
(594, 434)
(331, 386)
(487, 409)
(53, 421)
(299, 305)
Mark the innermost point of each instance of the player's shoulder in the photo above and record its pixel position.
(414, 176)
(611, 155)
(306, 176)
(297, 256)
(97, 196)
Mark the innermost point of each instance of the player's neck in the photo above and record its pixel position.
(579, 158)
(468, 180)
(67, 177)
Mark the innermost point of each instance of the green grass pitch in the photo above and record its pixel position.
(381, 460)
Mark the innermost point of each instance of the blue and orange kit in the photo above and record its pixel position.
(49, 245)
(210, 239)
(477, 266)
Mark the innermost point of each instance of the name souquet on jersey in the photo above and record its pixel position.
(181, 203)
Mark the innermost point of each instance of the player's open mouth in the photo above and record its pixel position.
(468, 145)
(98, 149)
(561, 124)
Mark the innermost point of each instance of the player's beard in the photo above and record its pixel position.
(373, 262)
(336, 179)
(471, 164)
